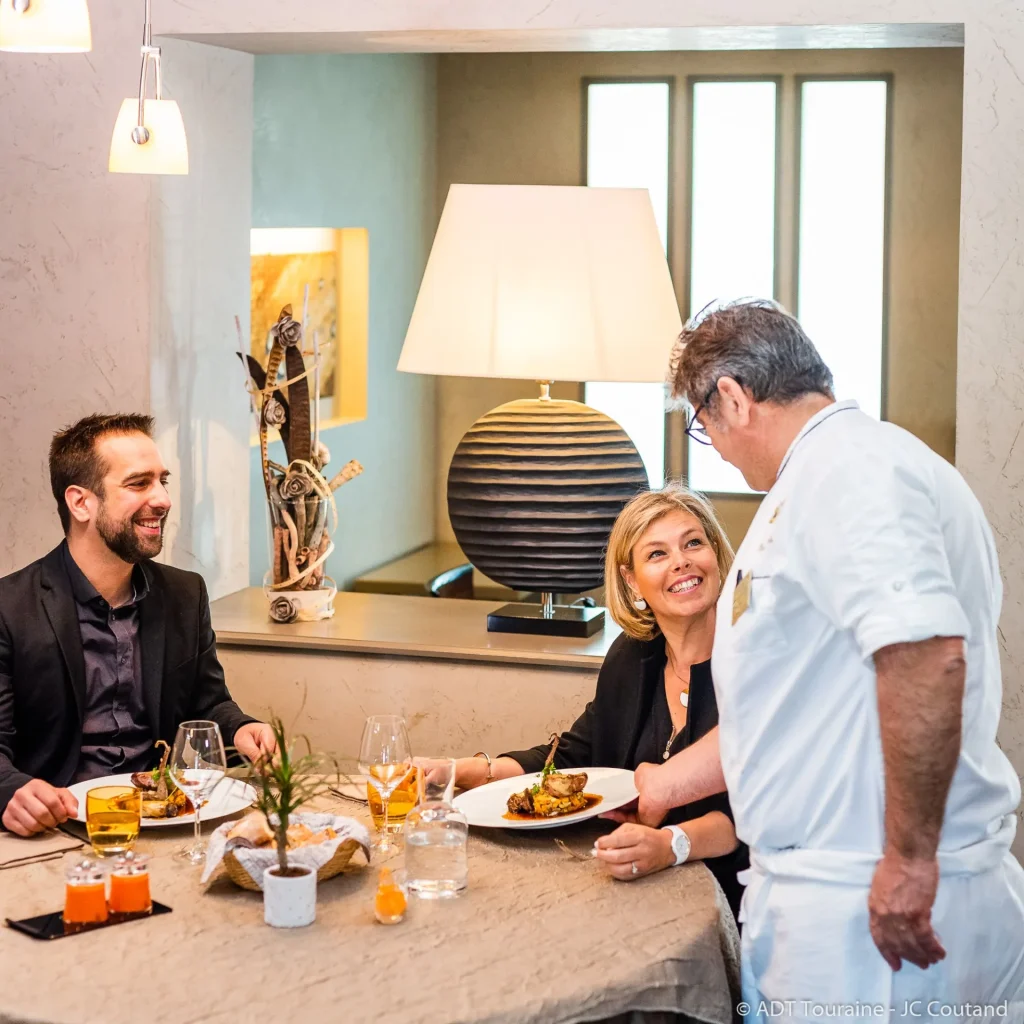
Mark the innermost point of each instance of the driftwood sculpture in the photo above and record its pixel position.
(300, 497)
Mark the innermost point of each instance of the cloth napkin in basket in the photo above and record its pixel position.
(255, 860)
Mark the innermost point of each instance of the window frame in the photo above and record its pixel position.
(888, 79)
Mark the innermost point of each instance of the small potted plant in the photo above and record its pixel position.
(283, 784)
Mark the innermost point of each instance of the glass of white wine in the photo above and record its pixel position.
(198, 763)
(385, 758)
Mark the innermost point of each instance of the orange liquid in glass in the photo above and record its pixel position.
(129, 894)
(85, 904)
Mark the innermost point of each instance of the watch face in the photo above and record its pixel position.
(680, 845)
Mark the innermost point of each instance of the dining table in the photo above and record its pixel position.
(541, 935)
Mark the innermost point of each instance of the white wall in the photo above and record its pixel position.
(199, 228)
(74, 271)
(117, 291)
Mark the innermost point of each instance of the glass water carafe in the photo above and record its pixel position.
(436, 834)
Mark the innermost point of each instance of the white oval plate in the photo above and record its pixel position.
(229, 797)
(485, 805)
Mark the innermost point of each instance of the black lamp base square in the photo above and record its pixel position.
(528, 618)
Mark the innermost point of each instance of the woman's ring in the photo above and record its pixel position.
(635, 869)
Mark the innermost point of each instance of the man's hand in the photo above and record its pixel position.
(900, 904)
(655, 800)
(653, 803)
(648, 849)
(38, 806)
(255, 741)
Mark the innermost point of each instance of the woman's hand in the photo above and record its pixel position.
(650, 849)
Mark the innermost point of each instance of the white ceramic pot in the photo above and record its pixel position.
(289, 902)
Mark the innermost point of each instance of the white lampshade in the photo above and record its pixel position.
(546, 283)
(166, 152)
(47, 26)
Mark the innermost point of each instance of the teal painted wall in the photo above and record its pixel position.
(349, 141)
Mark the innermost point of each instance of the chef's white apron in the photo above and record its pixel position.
(808, 954)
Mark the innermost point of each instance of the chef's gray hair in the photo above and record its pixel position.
(756, 343)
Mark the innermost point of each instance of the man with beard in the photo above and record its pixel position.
(103, 651)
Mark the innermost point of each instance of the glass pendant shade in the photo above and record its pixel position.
(45, 26)
(166, 151)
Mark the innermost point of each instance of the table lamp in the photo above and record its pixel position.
(550, 283)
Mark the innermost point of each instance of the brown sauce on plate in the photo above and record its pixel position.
(592, 800)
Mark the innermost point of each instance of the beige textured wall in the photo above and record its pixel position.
(516, 119)
(452, 707)
(117, 291)
(74, 271)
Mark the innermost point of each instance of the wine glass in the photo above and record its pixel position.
(385, 758)
(197, 764)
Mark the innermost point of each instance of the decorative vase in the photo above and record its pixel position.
(289, 901)
(300, 497)
(296, 585)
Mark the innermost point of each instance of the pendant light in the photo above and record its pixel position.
(149, 135)
(45, 26)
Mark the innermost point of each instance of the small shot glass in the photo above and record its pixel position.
(85, 893)
(129, 885)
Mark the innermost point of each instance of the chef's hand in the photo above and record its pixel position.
(900, 907)
(255, 741)
(650, 849)
(38, 806)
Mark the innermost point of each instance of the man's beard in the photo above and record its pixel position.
(122, 539)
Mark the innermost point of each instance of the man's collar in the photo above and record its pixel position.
(815, 421)
(85, 593)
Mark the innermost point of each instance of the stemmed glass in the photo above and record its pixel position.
(197, 765)
(385, 758)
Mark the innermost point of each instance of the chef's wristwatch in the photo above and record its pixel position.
(680, 843)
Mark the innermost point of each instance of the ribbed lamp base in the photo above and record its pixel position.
(534, 488)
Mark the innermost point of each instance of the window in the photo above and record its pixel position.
(732, 204)
(840, 282)
(628, 147)
(836, 282)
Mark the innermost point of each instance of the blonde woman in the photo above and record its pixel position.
(667, 557)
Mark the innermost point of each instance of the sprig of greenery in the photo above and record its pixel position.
(288, 780)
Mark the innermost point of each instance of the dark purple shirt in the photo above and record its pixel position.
(115, 728)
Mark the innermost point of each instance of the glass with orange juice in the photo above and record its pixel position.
(402, 800)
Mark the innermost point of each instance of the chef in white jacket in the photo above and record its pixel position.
(856, 667)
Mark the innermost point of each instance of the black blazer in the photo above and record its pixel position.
(607, 733)
(42, 668)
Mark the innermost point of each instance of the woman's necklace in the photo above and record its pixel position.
(684, 699)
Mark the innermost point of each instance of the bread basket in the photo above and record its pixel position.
(245, 864)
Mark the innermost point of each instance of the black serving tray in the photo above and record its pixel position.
(51, 926)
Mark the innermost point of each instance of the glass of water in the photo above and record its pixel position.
(436, 834)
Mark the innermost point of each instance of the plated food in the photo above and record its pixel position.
(161, 797)
(229, 797)
(604, 789)
(555, 795)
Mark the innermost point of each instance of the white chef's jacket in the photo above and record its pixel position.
(867, 539)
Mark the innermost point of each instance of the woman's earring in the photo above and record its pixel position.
(639, 604)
